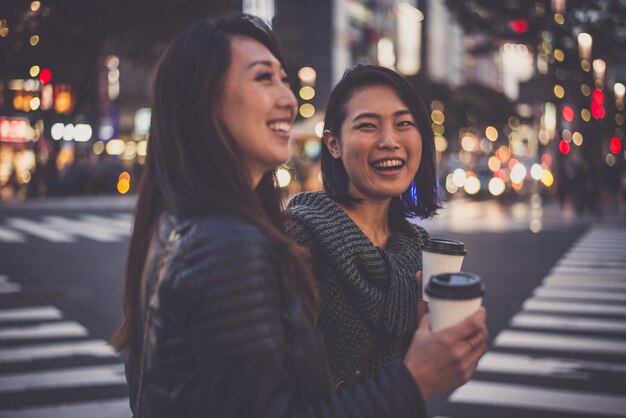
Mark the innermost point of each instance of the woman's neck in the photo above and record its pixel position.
(372, 217)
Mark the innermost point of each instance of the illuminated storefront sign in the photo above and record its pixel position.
(13, 129)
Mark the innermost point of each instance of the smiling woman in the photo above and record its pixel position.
(378, 167)
(257, 107)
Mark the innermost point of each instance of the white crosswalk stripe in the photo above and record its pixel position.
(572, 330)
(43, 356)
(66, 229)
(544, 398)
(115, 408)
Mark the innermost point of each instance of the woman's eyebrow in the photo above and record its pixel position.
(366, 115)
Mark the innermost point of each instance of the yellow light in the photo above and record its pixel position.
(115, 147)
(17, 101)
(307, 110)
(610, 159)
(4, 32)
(438, 129)
(559, 19)
(459, 177)
(35, 103)
(319, 129)
(123, 186)
(585, 115)
(547, 178)
(518, 173)
(496, 186)
(536, 171)
(469, 143)
(585, 65)
(493, 163)
(585, 90)
(142, 148)
(441, 144)
(307, 92)
(307, 75)
(577, 138)
(619, 119)
(34, 6)
(34, 40)
(472, 185)
(283, 177)
(491, 133)
(450, 186)
(34, 71)
(124, 175)
(559, 91)
(437, 117)
(559, 55)
(98, 147)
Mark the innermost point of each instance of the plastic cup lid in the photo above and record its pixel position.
(458, 285)
(444, 246)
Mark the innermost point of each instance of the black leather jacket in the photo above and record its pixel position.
(229, 337)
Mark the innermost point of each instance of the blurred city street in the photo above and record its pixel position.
(526, 104)
(556, 301)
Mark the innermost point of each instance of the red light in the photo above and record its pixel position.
(564, 147)
(597, 96)
(518, 26)
(45, 76)
(568, 113)
(616, 145)
(597, 110)
(546, 160)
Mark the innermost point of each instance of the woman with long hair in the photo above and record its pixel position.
(219, 304)
(378, 168)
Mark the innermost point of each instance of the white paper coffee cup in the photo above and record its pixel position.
(453, 297)
(440, 256)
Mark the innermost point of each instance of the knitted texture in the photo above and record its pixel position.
(365, 291)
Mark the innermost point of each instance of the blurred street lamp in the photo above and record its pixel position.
(558, 6)
(619, 90)
(409, 38)
(585, 43)
(599, 69)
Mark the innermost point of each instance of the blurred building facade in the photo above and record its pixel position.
(500, 119)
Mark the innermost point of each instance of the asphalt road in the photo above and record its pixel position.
(63, 264)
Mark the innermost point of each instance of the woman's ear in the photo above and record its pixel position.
(331, 143)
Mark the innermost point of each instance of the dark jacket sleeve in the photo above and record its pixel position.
(234, 289)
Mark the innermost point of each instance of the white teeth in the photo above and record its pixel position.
(388, 164)
(280, 126)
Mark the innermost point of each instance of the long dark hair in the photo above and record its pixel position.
(421, 198)
(192, 166)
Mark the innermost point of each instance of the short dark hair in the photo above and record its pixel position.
(421, 198)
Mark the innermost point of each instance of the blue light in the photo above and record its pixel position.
(413, 192)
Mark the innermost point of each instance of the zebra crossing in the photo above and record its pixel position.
(564, 353)
(51, 368)
(66, 229)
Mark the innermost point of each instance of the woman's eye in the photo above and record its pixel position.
(406, 123)
(366, 126)
(264, 76)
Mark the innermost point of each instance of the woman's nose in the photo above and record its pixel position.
(388, 140)
(286, 97)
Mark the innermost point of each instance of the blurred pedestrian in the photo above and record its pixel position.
(378, 167)
(219, 302)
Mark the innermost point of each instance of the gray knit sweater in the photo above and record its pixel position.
(365, 290)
